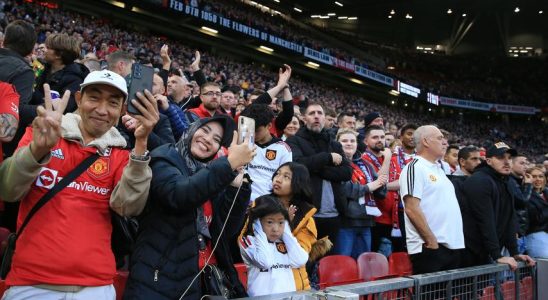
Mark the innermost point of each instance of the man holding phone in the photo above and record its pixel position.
(48, 262)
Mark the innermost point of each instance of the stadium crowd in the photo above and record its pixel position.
(325, 173)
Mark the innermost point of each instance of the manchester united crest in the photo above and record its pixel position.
(280, 246)
(99, 168)
(270, 154)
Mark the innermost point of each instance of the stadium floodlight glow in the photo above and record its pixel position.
(405, 104)
(529, 48)
(449, 11)
(210, 30)
(391, 67)
(540, 12)
(352, 18)
(277, 1)
(266, 48)
(339, 4)
(253, 2)
(297, 9)
(420, 48)
(463, 15)
(394, 93)
(393, 102)
(342, 18)
(356, 80)
(331, 14)
(315, 16)
(313, 64)
(428, 48)
(390, 16)
(516, 10)
(324, 17)
(392, 12)
(408, 16)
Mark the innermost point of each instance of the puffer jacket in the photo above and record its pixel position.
(166, 256)
(304, 230)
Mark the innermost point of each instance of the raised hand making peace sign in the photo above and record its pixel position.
(46, 127)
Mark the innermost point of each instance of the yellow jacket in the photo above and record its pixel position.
(306, 233)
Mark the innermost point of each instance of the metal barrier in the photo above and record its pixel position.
(488, 282)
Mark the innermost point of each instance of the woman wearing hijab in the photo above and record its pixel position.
(191, 196)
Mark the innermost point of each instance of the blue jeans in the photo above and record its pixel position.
(353, 241)
(537, 244)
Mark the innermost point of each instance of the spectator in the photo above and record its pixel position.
(19, 41)
(373, 118)
(48, 264)
(330, 118)
(272, 152)
(490, 223)
(291, 185)
(121, 62)
(210, 96)
(469, 159)
(9, 114)
(521, 187)
(361, 191)
(387, 223)
(433, 222)
(537, 233)
(228, 103)
(407, 151)
(268, 231)
(291, 128)
(451, 157)
(61, 72)
(190, 201)
(324, 159)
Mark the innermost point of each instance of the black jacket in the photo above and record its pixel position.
(168, 242)
(16, 71)
(521, 193)
(161, 134)
(354, 213)
(314, 151)
(68, 78)
(538, 212)
(489, 217)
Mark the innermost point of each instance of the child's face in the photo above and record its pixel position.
(281, 183)
(273, 226)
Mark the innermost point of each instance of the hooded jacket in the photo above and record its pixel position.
(489, 219)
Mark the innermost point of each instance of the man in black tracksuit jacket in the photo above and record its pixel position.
(489, 218)
(328, 167)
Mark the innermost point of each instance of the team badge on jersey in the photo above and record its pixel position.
(433, 178)
(99, 168)
(280, 246)
(270, 154)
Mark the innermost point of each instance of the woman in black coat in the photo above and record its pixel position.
(189, 201)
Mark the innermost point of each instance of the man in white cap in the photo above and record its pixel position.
(65, 249)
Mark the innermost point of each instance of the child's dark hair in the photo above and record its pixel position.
(300, 182)
(264, 206)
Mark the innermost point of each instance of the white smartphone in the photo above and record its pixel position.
(246, 127)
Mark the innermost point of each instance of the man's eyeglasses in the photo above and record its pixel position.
(212, 93)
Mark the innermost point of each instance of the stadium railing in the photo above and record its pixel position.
(487, 282)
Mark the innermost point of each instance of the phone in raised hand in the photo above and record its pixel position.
(246, 127)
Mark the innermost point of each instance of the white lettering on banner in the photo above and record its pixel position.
(176, 5)
(485, 106)
(408, 89)
(286, 44)
(378, 77)
(209, 16)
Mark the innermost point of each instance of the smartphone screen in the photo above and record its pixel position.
(141, 79)
(246, 127)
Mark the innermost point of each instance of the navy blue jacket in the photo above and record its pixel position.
(167, 245)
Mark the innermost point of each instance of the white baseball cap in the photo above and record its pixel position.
(106, 77)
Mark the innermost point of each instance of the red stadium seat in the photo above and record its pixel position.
(526, 288)
(400, 264)
(337, 270)
(372, 266)
(488, 293)
(508, 290)
(242, 273)
(120, 283)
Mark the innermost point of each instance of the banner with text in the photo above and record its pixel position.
(485, 106)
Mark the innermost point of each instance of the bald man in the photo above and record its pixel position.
(433, 221)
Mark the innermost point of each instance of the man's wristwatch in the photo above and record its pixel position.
(143, 157)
